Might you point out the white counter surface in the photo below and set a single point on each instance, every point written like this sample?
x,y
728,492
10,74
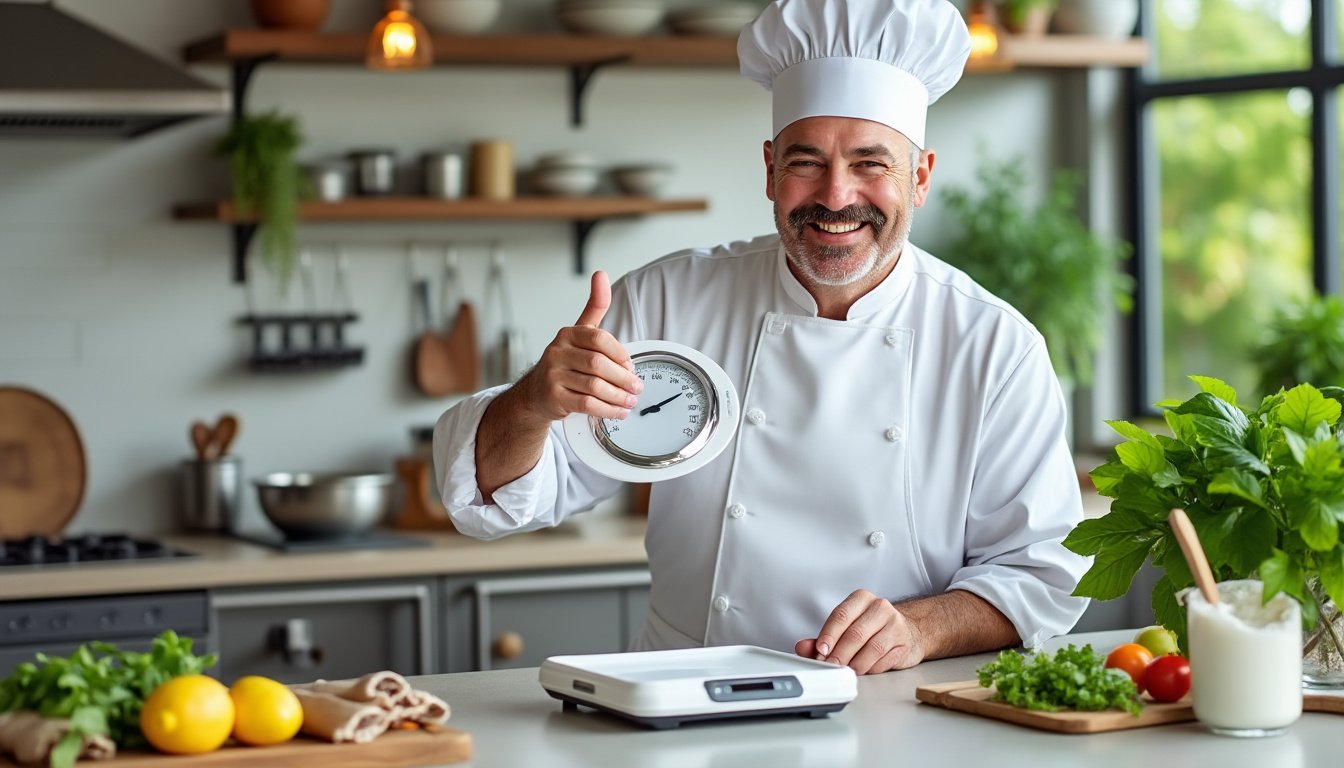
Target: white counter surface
x,y
221,561
515,723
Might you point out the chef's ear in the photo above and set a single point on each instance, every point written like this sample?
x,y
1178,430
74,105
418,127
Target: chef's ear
x,y
923,176
769,152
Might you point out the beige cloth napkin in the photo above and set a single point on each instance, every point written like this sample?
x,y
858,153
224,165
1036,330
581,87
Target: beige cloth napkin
x,y
362,709
30,737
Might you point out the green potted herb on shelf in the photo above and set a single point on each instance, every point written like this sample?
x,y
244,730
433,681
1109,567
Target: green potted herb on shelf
x,y
267,182
1264,488
1044,261
1305,342
1028,17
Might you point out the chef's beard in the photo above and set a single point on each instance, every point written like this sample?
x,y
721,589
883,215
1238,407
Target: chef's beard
x,y
825,264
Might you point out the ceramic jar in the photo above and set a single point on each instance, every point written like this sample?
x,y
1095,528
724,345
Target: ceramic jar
x,y
1108,19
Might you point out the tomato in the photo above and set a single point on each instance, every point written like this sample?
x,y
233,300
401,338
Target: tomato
x,y
1167,678
1132,659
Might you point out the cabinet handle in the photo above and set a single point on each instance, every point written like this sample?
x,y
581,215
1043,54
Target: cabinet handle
x,y
294,641
509,645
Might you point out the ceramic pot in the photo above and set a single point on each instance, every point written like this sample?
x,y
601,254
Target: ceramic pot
x,y
290,14
1108,19
1032,22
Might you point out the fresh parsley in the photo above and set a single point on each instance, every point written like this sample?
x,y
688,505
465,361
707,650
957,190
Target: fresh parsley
x,y
99,687
1074,678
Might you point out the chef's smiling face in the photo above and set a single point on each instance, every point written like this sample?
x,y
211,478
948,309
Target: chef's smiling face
x,y
844,191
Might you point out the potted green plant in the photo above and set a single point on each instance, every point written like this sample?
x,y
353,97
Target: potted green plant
x,y
267,182
1043,260
1305,342
1028,17
1264,488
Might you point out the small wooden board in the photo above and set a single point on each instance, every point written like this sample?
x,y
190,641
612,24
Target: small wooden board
x,y
435,746
968,696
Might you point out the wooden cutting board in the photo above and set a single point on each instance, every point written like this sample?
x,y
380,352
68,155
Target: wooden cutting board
x,y
968,696
392,749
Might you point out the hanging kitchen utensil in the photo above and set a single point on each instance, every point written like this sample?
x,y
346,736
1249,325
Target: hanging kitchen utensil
x,y
506,355
433,371
42,465
459,328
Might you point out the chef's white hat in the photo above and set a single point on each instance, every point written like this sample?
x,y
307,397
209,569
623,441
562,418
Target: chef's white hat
x,y
880,60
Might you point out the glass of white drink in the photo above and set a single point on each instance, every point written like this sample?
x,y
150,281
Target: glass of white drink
x,y
1245,660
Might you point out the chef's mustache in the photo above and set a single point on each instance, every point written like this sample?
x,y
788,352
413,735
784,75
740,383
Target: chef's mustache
x,y
820,214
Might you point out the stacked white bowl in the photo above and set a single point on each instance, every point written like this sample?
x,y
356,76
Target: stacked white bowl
x,y
719,20
643,180
567,174
458,17
623,18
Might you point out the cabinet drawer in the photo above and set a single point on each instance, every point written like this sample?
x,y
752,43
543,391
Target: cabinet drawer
x,y
522,621
324,632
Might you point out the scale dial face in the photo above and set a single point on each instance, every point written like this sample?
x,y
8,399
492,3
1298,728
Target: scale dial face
x,y
685,416
668,423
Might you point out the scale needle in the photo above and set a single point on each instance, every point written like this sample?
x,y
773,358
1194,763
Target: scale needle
x,y
659,406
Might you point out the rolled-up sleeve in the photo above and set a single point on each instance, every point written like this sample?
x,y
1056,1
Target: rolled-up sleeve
x,y
558,486
1025,500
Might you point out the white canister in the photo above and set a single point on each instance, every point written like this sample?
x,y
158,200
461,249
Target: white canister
x,y
1245,660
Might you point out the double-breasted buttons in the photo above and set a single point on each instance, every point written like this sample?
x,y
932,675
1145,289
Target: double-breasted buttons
x,y
894,434
876,538
736,511
776,326
756,416
721,603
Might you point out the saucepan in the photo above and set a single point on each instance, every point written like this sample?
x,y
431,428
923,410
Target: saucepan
x,y
336,505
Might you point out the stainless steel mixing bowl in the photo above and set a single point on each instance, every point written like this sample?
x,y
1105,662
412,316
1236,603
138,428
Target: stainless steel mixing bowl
x,y
324,505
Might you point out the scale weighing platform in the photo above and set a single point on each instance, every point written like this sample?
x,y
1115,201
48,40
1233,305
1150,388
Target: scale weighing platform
x,y
663,689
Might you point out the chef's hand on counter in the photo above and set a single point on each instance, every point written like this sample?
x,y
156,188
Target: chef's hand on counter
x,y
871,635
583,370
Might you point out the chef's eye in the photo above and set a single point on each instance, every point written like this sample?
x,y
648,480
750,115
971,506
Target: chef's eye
x,y
805,168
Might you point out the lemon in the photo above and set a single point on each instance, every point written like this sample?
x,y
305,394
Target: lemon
x,y
188,715
267,711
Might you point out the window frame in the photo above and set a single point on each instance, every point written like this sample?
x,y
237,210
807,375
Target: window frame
x,y
1322,79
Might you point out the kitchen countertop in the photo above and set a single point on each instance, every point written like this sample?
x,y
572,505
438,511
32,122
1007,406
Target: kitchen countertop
x,y
583,541
514,722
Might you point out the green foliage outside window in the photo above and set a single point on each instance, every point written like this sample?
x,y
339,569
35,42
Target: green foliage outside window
x,y
1305,344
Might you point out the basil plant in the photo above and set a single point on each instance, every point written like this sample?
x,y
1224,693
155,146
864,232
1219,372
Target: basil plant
x,y
1264,488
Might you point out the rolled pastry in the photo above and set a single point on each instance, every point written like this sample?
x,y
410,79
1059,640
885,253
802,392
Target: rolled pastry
x,y
332,718
420,707
30,737
384,688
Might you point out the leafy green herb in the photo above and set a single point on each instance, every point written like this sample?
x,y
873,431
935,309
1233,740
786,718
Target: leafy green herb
x,y
1043,260
1305,342
1264,489
268,182
99,687
1074,678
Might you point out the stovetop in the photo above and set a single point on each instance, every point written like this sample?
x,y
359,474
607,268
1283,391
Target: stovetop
x,y
85,548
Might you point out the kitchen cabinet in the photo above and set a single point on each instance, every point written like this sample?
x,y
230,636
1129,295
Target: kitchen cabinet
x,y
330,630
501,622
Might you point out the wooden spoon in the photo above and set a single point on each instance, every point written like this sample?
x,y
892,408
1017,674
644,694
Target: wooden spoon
x,y
226,429
201,440
1194,554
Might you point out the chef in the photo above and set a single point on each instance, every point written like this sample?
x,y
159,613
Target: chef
x,y
899,484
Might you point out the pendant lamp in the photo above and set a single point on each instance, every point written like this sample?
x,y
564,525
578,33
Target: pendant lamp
x,y
982,23
399,41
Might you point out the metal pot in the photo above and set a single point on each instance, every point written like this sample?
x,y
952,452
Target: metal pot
x,y
324,506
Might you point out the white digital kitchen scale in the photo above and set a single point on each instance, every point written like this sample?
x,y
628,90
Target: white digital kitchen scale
x,y
663,689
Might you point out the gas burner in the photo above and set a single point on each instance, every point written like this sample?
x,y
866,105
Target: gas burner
x,y
38,550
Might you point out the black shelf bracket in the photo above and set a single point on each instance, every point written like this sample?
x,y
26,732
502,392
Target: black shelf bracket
x,y
579,77
242,238
582,229
242,70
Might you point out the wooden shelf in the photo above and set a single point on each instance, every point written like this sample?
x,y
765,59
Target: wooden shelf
x,y
1050,51
584,213
413,208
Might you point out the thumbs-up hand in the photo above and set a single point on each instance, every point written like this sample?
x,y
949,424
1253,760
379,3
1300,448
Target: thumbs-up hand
x,y
584,369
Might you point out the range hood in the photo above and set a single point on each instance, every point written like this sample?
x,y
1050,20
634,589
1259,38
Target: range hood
x,y
62,77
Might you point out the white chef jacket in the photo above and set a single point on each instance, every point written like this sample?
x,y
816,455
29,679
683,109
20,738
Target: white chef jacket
x,y
915,447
